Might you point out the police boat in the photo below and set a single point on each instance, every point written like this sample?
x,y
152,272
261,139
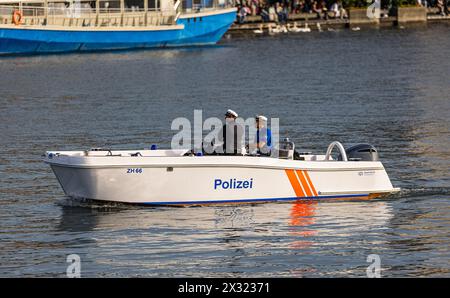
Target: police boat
x,y
178,177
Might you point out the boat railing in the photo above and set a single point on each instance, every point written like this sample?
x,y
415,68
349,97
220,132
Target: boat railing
x,y
103,13
340,148
191,6
58,14
208,3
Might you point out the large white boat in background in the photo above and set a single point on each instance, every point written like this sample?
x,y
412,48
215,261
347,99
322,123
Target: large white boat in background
x,y
177,177
55,26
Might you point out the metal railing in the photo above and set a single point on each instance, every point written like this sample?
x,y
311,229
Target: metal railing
x,y
104,12
341,151
86,16
204,5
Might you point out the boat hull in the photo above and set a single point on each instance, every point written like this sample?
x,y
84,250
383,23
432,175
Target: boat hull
x,y
36,40
178,181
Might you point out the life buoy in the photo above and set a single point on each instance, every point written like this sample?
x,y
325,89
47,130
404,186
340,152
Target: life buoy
x,y
17,17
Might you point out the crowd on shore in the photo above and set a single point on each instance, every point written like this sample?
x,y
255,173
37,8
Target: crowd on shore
x,y
279,10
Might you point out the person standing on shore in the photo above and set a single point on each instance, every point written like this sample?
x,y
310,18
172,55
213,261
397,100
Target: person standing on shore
x,y
242,14
443,7
265,15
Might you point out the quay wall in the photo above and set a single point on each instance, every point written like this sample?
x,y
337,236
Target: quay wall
x,y
411,14
358,16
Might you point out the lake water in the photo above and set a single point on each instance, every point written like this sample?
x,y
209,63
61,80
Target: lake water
x,y
387,87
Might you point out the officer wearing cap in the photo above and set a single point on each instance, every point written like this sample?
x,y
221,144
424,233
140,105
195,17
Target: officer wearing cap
x,y
263,136
230,114
232,134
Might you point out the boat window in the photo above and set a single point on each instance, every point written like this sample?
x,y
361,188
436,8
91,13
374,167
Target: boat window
x,y
134,5
154,5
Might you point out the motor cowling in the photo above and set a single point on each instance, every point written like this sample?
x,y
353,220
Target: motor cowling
x,y
361,152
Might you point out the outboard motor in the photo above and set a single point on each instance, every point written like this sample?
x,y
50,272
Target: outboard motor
x,y
361,152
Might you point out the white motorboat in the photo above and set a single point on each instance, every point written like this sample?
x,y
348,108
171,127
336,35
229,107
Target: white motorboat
x,y
177,177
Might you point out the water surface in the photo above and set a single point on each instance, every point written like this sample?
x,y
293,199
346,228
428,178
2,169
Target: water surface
x,y
387,87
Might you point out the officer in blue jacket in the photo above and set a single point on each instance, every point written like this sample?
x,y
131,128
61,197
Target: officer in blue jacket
x,y
263,136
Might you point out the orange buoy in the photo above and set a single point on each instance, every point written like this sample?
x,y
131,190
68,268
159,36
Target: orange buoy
x,y
17,17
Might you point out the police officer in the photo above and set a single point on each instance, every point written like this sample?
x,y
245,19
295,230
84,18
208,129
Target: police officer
x,y
263,136
232,135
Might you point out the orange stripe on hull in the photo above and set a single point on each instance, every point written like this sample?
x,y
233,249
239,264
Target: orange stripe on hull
x,y
310,183
294,183
304,183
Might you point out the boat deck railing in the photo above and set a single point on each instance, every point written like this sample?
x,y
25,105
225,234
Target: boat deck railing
x,y
87,16
90,18
114,13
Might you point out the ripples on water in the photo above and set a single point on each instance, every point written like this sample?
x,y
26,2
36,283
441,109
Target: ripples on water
x,y
386,87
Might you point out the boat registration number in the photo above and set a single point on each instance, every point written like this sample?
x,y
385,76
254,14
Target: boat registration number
x,y
134,171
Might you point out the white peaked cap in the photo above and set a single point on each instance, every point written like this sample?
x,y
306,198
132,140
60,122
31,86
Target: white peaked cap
x,y
232,113
261,117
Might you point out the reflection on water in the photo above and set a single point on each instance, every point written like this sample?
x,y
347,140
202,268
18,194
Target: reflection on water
x,y
244,240
233,217
302,215
304,238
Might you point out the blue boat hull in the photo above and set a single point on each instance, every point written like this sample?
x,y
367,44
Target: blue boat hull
x,y
204,30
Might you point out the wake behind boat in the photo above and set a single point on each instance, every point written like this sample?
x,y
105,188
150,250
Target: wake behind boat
x,y
55,26
178,177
